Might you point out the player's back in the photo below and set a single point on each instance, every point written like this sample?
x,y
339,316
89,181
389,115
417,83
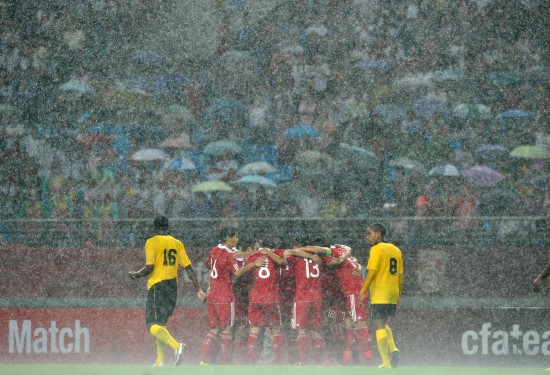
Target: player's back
x,y
265,284
222,265
349,279
307,278
165,253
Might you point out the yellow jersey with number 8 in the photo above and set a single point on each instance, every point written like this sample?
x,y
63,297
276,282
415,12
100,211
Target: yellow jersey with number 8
x,y
386,259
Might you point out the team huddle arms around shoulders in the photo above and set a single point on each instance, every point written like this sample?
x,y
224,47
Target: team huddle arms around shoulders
x,y
306,304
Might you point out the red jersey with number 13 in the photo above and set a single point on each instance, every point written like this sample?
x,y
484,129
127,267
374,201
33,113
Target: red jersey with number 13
x,y
308,282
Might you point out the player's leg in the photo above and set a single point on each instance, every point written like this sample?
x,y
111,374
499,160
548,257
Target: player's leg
x,y
394,352
211,338
378,316
315,319
273,320
252,344
300,322
358,314
226,315
349,341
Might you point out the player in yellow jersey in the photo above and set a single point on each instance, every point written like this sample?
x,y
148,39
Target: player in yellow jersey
x,y
163,254
385,282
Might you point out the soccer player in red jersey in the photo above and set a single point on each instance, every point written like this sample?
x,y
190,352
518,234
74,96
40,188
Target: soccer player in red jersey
x,y
264,298
241,287
350,281
308,305
221,300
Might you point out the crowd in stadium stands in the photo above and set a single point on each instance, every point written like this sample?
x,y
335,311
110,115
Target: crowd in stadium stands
x,y
377,81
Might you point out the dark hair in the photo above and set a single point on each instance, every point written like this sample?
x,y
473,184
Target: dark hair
x,y
378,228
161,222
228,232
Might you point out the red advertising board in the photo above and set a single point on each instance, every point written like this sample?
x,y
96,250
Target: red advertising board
x,y
92,335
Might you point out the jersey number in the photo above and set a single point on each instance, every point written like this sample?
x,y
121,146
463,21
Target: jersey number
x,y
170,257
264,273
214,271
393,266
315,269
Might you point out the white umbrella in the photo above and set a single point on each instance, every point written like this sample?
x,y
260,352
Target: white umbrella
x,y
148,154
257,168
448,170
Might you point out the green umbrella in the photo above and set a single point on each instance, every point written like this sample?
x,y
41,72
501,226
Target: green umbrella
x,y
408,164
472,111
220,148
8,109
77,87
211,186
530,152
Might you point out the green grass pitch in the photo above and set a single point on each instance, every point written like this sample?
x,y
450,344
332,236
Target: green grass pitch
x,y
255,370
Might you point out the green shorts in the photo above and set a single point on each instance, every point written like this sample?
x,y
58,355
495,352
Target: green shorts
x,y
161,302
382,311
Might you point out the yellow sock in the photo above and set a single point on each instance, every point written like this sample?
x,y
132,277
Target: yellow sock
x,y
160,352
162,334
391,343
382,341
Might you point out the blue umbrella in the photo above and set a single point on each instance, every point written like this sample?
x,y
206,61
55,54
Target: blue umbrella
x,y
514,114
447,170
301,131
252,179
429,107
179,164
219,148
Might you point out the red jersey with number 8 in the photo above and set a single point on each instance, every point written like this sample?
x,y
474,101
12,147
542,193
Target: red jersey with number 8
x,y
265,283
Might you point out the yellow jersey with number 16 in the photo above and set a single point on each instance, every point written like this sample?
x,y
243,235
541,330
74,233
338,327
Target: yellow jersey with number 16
x,y
386,259
165,253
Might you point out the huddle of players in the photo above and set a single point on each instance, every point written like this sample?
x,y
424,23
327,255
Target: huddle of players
x,y
285,286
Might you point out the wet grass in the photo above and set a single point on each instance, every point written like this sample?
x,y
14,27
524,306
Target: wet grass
x,y
254,370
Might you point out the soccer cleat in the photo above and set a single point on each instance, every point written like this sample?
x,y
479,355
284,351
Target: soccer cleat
x,y
394,358
179,355
382,367
159,364
203,363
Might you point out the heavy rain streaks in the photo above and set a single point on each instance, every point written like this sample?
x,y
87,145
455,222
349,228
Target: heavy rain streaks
x,y
294,121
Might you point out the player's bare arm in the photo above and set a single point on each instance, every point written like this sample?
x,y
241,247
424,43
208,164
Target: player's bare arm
x,y
277,259
142,272
256,264
193,277
302,254
341,259
315,249
537,283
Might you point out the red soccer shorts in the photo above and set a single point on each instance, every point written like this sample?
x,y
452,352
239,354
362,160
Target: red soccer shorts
x,y
264,314
307,315
221,315
356,311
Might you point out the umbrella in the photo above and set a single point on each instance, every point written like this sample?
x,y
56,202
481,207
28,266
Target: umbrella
x,y
530,152
8,109
447,75
148,154
179,164
220,148
472,111
301,131
414,80
514,113
390,112
481,175
447,170
427,107
145,57
261,167
77,87
491,149
211,186
361,157
182,141
409,164
371,64
504,78
256,180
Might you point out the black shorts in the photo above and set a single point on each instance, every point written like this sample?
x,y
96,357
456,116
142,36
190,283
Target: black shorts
x,y
161,302
382,311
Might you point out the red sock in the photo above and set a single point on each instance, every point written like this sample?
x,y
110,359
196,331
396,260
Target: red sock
x,y
226,346
251,346
349,341
301,341
363,337
278,347
207,346
318,350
